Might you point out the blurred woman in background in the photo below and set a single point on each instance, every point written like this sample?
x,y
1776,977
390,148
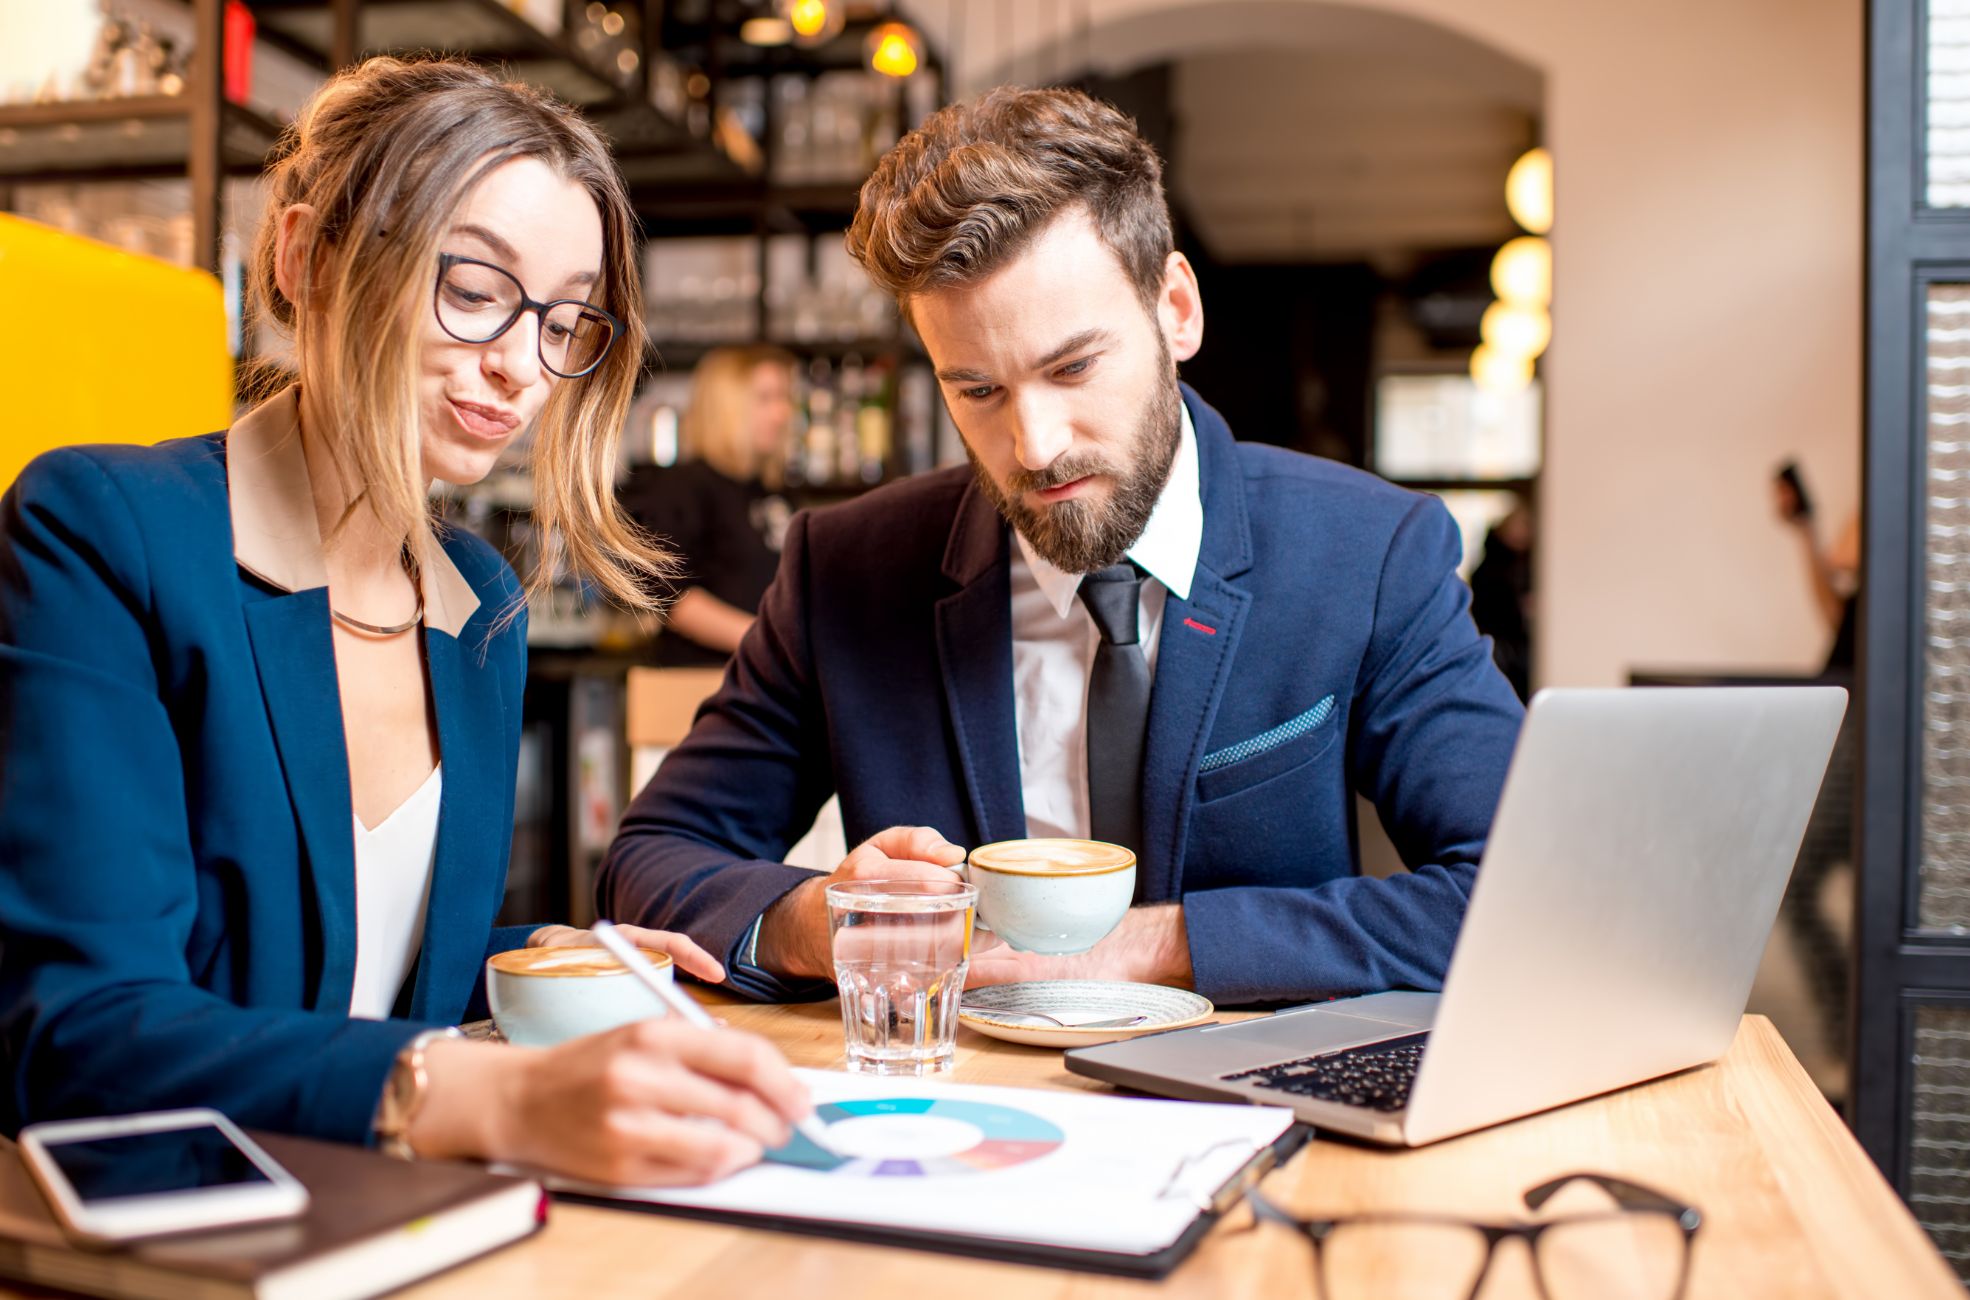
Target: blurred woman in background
x,y
719,508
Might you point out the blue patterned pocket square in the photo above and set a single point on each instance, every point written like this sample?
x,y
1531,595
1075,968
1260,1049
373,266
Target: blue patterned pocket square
x,y
1292,729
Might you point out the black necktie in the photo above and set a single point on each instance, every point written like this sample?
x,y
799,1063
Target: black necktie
x,y
1118,706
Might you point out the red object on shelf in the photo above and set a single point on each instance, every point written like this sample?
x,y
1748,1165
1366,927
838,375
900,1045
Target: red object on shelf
x,y
239,51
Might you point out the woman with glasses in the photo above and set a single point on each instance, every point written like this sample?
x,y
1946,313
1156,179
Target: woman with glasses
x,y
259,710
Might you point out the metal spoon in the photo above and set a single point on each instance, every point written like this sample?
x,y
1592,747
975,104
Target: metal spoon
x,y
1120,1022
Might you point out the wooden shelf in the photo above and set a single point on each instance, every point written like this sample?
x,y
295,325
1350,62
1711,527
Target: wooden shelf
x,y
121,139
659,155
483,29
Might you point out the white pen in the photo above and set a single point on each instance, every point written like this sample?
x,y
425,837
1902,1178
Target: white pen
x,y
676,999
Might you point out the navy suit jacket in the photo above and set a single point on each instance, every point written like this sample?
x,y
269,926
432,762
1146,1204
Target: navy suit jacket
x,y
1326,649
177,877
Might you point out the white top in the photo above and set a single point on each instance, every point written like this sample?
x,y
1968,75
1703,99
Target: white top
x,y
393,892
1054,639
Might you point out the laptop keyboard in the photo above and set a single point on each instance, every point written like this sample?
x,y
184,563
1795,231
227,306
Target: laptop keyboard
x,y
1377,1076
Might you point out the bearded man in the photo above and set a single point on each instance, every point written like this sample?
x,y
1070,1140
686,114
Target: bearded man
x,y
1118,623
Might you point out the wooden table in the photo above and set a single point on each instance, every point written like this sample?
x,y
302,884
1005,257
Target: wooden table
x,y
1791,1206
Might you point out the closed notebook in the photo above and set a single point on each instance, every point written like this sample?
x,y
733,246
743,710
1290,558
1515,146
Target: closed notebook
x,y
375,1224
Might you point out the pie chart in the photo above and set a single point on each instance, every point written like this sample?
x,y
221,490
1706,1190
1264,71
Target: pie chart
x,y
921,1137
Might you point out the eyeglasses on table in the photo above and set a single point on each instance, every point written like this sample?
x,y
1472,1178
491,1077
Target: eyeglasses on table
x,y
1639,1249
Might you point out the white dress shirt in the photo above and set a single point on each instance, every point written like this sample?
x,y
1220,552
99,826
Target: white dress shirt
x,y
393,893
1054,639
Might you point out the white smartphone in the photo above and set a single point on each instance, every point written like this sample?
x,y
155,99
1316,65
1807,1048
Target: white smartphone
x,y
164,1172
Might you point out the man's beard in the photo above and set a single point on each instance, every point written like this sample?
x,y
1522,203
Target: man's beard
x,y
1080,535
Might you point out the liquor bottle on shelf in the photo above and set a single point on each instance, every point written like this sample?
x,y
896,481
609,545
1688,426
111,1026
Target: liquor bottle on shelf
x,y
848,410
820,450
873,422
792,159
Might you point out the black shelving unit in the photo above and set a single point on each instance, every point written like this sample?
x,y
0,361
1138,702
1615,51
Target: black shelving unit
x,y
763,204
123,139
483,30
201,136
711,39
197,134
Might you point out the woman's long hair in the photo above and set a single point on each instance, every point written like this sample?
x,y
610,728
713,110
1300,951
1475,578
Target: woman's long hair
x,y
717,427
385,153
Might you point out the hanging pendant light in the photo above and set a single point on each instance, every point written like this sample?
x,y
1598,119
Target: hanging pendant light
x,y
1522,272
1519,329
1529,191
814,22
1499,373
895,49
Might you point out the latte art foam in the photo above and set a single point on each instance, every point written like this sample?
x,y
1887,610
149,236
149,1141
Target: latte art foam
x,y
1052,857
567,961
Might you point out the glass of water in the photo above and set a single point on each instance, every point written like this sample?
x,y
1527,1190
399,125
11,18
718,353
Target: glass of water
x,y
900,952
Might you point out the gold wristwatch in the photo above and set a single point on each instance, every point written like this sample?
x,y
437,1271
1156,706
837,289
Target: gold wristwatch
x,y
403,1092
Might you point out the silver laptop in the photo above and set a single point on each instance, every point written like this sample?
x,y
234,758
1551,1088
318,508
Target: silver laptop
x,y
1633,871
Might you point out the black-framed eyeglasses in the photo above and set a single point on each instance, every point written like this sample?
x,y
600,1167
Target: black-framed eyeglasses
x,y
1637,1250
477,302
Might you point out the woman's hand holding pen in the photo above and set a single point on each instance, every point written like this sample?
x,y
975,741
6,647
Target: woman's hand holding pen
x,y
625,1106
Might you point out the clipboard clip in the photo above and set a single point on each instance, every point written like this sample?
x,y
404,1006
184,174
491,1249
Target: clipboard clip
x,y
1216,1200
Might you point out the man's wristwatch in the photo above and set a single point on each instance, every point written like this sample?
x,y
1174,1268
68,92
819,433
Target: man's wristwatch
x,y
403,1092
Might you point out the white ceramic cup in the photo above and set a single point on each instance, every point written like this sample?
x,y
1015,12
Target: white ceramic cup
x,y
1053,896
543,996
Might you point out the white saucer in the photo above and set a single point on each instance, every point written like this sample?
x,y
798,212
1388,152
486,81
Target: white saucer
x,y
1164,1008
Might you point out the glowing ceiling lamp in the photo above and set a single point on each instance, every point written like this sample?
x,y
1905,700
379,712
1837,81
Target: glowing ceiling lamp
x,y
1522,272
814,22
1499,373
1517,329
1529,191
895,49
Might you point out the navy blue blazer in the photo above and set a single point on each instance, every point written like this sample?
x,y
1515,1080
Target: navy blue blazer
x,y
1326,649
177,873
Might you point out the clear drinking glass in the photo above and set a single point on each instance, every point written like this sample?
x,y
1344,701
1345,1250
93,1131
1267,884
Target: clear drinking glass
x,y
900,952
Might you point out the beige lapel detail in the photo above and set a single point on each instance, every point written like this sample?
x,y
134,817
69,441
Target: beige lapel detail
x,y
449,600
275,535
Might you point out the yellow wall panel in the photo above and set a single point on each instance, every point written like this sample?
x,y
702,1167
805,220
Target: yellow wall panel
x,y
100,345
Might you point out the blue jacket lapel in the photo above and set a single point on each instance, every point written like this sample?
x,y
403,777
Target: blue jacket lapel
x,y
974,646
1195,651
294,654
472,829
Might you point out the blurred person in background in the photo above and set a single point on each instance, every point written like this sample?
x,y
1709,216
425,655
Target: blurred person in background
x,y
720,507
1832,572
1501,596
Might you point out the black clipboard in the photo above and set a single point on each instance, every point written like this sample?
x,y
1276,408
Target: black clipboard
x,y
1113,1263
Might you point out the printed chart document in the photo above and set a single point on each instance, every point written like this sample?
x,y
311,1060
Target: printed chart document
x,y
1065,1172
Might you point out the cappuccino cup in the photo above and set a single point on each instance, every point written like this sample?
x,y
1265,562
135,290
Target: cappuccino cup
x,y
1052,896
543,996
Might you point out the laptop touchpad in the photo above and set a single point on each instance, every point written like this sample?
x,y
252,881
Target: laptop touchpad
x,y
1328,1026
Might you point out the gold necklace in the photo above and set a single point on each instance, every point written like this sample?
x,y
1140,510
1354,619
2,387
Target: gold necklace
x,y
372,629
